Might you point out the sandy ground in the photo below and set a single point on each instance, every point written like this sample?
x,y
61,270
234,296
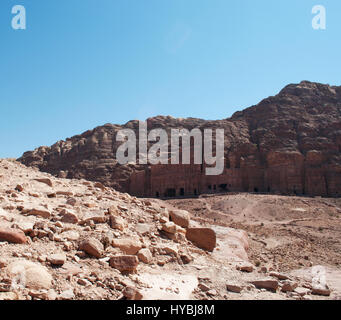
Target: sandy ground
x,y
285,233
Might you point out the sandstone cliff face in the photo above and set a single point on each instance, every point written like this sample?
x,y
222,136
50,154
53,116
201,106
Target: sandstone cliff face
x,y
289,144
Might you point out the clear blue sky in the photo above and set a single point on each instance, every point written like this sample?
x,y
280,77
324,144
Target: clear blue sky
x,y
83,63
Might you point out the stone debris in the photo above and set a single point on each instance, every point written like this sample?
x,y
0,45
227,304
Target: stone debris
x,y
245,267
45,180
322,290
127,246
24,273
125,263
204,238
92,247
57,259
12,235
68,216
145,255
132,293
268,284
289,286
302,291
180,217
75,239
234,288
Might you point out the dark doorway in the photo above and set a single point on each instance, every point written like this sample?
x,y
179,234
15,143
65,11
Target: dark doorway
x,y
182,192
255,189
195,192
269,189
170,193
157,195
223,187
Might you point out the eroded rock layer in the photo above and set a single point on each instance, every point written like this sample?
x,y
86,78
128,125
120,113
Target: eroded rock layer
x,y
289,143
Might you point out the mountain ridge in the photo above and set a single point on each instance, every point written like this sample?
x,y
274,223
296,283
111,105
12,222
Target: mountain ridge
x,y
289,143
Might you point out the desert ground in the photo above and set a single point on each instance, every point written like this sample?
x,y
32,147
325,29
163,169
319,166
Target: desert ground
x,y
68,239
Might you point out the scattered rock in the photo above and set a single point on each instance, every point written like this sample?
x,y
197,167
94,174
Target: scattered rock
x,y
268,284
204,238
132,293
245,267
3,263
30,275
124,263
234,288
25,226
12,235
302,291
92,247
128,246
68,216
169,227
66,295
71,201
321,290
180,217
96,217
145,255
289,286
203,287
46,181
19,188
212,292
8,296
57,259
143,228
40,212
185,257
117,222
279,276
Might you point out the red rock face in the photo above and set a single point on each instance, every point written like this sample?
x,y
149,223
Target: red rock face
x,y
288,144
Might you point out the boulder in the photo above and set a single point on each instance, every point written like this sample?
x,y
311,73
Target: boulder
x,y
12,235
180,217
40,211
25,226
117,222
204,238
46,181
96,217
70,235
92,247
132,293
302,291
128,246
57,259
69,216
321,290
124,263
29,275
234,288
145,255
289,286
169,227
268,284
245,267
143,228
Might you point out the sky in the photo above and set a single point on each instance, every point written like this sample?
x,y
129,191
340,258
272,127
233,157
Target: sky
x,y
82,63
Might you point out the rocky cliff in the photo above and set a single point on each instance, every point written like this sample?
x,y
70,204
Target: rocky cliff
x,y
289,143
